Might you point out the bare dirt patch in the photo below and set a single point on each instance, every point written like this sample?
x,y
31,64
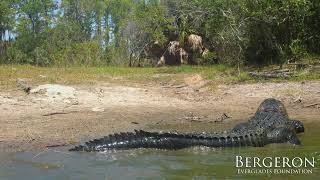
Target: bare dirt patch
x,y
60,115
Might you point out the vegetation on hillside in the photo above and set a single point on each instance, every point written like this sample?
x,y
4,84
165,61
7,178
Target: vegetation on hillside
x,y
114,32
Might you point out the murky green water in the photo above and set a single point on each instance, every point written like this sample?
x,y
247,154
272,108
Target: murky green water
x,y
193,163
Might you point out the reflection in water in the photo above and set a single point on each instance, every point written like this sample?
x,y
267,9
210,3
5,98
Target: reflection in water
x,y
197,162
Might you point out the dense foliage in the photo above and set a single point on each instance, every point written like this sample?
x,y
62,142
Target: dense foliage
x,y
99,32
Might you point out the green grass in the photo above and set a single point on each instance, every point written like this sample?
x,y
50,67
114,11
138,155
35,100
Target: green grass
x,y
76,75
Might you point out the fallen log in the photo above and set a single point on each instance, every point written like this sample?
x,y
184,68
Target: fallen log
x,y
271,74
282,70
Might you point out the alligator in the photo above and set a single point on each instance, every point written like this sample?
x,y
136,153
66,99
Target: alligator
x,y
270,124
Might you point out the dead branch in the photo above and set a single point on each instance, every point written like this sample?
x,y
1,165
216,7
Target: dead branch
x,y
311,105
159,122
24,86
56,113
196,120
298,100
220,119
177,86
55,145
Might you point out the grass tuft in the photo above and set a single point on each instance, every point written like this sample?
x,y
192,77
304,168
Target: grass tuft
x,y
76,75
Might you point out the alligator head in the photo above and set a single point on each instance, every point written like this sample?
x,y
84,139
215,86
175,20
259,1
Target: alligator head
x,y
272,105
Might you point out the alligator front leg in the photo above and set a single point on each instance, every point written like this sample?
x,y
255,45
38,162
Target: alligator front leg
x,y
241,127
283,135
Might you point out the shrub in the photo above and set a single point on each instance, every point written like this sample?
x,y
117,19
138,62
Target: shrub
x,y
85,53
209,59
15,56
41,57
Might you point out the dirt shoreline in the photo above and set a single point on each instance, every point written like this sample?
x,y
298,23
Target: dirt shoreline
x,y
39,121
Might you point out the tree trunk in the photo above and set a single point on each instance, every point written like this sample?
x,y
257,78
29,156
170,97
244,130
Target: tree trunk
x,y
107,28
130,60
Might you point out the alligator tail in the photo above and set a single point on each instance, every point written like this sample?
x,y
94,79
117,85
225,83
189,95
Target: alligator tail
x,y
169,140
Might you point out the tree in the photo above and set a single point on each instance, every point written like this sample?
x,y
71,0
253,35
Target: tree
x,y
34,19
6,24
238,32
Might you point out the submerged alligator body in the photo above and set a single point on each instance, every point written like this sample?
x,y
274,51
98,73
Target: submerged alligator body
x,y
270,124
